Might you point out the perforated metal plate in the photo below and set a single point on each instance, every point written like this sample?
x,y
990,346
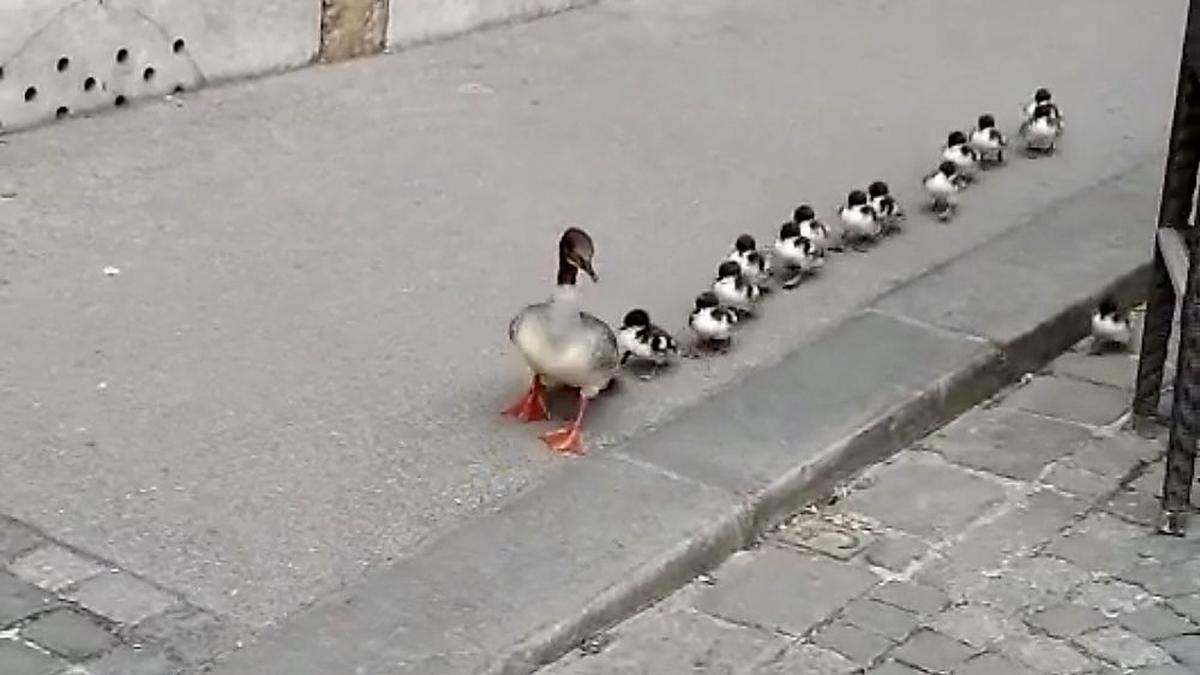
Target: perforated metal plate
x,y
90,55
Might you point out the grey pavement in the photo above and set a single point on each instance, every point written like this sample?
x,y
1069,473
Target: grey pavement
x,y
966,553
283,392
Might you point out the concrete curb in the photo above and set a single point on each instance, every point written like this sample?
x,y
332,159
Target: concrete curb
x,y
966,386
521,586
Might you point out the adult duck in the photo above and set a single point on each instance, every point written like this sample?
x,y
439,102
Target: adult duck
x,y
563,345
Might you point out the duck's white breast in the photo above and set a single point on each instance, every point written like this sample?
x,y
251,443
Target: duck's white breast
x,y
561,359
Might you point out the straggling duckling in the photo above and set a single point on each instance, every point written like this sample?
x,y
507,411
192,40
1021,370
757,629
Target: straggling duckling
x,y
1111,329
754,265
712,323
965,158
814,230
732,289
942,185
860,222
642,341
887,209
987,140
798,257
1042,97
1041,131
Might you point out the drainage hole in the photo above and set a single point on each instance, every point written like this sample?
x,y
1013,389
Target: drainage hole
x,y
89,84
119,100
63,64
62,112
122,55
148,73
30,94
178,45
1,72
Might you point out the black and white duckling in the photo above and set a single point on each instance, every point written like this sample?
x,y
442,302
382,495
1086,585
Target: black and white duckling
x,y
753,263
942,185
732,289
563,345
1111,329
859,220
640,340
712,323
987,140
965,158
1041,131
887,209
814,230
797,257
1042,97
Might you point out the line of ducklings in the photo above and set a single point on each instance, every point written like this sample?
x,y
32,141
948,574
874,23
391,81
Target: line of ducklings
x,y
747,274
564,346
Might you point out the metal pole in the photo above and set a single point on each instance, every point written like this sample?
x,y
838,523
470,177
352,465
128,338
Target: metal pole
x,y
1178,195
1185,414
1179,183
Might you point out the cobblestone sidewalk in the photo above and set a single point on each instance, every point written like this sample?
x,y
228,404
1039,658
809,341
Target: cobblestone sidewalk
x,y
64,613
1016,540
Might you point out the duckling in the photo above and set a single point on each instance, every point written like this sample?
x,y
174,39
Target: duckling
x,y
987,140
754,265
640,339
1111,328
859,219
732,290
942,185
890,214
564,346
1042,97
712,323
814,230
965,158
1041,131
797,255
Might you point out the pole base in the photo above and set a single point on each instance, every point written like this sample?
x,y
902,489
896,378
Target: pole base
x,y
1173,523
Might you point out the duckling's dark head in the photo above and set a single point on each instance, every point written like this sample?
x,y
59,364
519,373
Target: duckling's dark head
x,y
636,318
707,299
986,122
728,269
745,244
789,230
802,213
1042,95
956,138
856,198
947,168
575,250
1043,110
1108,307
877,189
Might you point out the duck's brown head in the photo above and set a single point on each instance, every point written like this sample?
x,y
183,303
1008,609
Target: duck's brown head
x,y
575,250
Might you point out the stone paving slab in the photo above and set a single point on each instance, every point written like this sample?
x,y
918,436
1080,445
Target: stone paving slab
x,y
1001,575
1068,399
1007,442
763,590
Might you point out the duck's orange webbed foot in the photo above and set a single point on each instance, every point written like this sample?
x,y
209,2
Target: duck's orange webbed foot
x,y
568,440
532,406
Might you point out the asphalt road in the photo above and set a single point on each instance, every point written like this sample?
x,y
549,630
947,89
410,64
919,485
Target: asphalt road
x,y
297,372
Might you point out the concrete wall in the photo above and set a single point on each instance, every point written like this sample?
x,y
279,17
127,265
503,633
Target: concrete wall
x,y
64,57
68,56
415,21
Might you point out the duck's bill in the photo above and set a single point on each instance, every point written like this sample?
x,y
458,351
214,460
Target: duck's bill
x,y
587,268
